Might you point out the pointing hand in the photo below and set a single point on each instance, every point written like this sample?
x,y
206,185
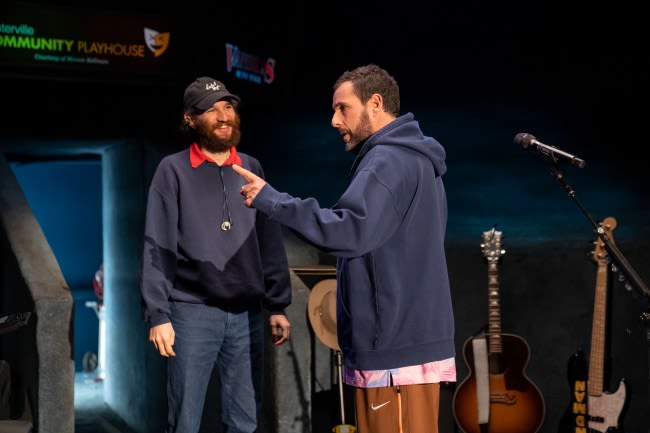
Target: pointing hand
x,y
253,186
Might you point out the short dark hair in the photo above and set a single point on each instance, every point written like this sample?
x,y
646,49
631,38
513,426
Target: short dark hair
x,y
370,79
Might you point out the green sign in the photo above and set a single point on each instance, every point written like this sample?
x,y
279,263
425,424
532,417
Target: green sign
x,y
68,41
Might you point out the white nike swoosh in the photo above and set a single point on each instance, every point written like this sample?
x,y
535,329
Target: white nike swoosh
x,y
373,407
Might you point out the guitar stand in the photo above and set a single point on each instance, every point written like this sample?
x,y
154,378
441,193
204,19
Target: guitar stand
x,y
343,427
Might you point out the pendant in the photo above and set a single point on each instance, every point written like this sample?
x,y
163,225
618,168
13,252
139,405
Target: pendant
x,y
225,226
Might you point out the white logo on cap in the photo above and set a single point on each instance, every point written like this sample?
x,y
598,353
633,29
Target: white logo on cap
x,y
213,86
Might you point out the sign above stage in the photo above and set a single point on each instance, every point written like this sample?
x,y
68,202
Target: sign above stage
x,y
71,43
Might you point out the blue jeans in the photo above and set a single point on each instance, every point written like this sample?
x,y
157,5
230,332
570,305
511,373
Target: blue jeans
x,y
231,341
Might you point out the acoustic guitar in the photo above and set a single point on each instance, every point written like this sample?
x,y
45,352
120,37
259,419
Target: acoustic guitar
x,y
512,401
592,409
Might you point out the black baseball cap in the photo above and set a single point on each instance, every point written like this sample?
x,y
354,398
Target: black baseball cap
x,y
204,92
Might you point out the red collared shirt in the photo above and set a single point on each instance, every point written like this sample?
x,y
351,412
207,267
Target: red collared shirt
x,y
197,157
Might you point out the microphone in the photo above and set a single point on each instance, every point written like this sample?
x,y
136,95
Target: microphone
x,y
528,141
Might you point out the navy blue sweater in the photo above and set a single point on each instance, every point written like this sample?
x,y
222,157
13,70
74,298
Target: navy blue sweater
x,y
387,230
188,258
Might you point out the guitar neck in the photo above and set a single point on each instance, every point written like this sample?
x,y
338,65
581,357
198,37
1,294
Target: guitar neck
x,y
597,353
494,309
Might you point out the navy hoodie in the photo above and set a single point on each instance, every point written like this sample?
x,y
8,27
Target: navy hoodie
x,y
188,258
387,231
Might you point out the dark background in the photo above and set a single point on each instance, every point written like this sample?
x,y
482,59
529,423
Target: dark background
x,y
474,73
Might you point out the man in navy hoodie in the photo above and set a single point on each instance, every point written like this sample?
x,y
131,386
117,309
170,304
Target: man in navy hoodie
x,y
395,323
211,266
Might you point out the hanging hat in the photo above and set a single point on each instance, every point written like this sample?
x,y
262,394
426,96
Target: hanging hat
x,y
322,312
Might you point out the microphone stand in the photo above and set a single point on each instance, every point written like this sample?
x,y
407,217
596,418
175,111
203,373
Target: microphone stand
x,y
630,277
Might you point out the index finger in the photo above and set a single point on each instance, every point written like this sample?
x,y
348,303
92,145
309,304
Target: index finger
x,y
247,175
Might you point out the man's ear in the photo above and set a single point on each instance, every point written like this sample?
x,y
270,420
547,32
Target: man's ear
x,y
376,102
188,119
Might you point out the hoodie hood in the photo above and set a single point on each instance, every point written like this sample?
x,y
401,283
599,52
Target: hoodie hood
x,y
405,132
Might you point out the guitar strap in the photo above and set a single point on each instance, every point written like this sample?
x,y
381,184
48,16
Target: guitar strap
x,y
479,346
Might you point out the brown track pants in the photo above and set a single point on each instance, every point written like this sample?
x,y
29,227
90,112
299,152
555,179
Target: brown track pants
x,y
398,409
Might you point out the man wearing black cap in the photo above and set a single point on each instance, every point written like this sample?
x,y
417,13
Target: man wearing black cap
x,y
211,267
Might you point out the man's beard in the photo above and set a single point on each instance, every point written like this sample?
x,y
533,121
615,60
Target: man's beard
x,y
361,134
208,140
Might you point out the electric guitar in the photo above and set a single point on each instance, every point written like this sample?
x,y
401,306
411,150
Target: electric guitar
x,y
591,409
515,404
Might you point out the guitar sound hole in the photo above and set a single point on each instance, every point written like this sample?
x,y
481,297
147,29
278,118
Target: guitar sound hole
x,y
497,363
